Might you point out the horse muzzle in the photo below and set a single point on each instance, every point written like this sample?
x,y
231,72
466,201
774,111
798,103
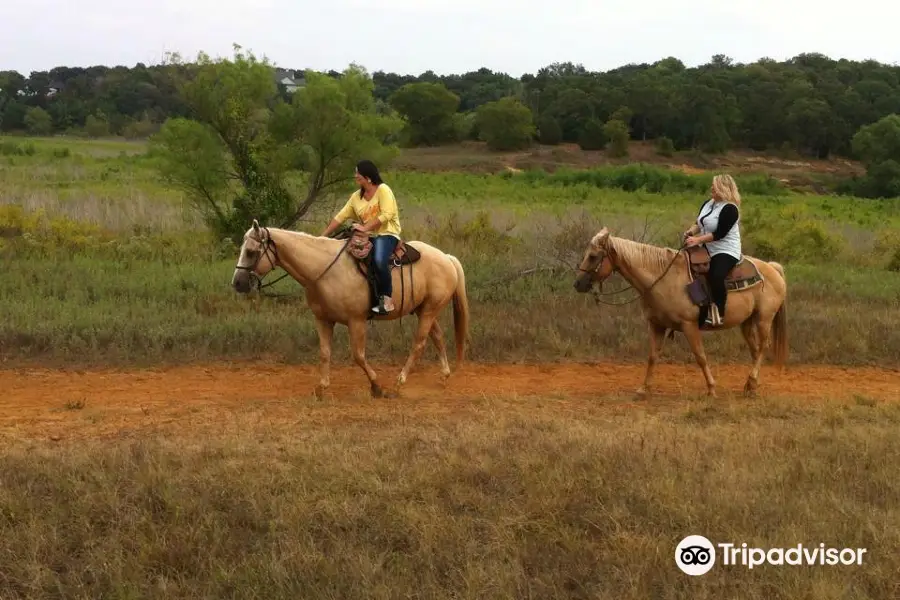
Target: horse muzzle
x,y
583,283
241,281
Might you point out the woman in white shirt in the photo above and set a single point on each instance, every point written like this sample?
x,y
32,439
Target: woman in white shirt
x,y
718,227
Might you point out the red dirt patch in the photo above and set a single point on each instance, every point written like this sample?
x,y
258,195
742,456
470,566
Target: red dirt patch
x,y
474,157
62,404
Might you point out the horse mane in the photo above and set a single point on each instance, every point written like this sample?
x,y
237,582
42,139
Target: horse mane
x,y
652,258
294,234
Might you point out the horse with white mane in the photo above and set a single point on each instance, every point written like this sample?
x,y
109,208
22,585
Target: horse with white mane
x,y
337,292
670,288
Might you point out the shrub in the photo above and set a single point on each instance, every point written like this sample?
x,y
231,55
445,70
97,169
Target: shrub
x,y
549,131
592,136
505,124
665,146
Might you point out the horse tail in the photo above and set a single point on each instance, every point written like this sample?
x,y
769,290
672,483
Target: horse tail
x,y
779,325
460,310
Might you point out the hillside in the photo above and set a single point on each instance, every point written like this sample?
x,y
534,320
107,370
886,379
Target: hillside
x,y
474,157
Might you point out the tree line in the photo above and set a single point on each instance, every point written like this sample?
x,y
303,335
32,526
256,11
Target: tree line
x,y
811,105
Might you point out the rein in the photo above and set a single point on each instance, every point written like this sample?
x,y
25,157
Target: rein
x,y
274,260
597,294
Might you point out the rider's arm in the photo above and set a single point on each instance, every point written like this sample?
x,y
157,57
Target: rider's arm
x,y
727,218
342,215
694,229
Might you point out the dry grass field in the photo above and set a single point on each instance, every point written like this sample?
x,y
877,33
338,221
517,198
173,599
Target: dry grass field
x,y
160,438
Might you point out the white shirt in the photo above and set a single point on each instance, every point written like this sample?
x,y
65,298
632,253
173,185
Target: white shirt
x,y
708,221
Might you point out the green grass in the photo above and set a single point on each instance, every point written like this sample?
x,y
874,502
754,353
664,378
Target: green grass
x,y
506,498
103,265
488,498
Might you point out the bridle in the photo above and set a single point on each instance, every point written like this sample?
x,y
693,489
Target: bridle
x,y
267,246
273,258
597,294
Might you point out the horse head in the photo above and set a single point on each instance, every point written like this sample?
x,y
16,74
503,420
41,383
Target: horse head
x,y
257,257
596,264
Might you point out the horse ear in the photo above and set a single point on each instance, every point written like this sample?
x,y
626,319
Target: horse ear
x,y
255,225
599,240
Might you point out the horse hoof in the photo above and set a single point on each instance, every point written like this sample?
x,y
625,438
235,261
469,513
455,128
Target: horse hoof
x,y
750,390
320,392
401,379
377,392
641,395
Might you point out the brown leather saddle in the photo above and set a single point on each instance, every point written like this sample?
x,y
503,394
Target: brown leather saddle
x,y
359,246
742,276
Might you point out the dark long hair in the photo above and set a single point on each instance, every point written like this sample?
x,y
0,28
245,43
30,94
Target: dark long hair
x,y
367,169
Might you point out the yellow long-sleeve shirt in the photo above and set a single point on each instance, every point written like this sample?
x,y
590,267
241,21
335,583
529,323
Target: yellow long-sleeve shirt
x,y
382,206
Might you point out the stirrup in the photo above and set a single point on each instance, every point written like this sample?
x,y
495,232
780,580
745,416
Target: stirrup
x,y
381,309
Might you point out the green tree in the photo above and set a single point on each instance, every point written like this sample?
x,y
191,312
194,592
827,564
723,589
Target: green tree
x,y
505,124
329,126
665,147
878,146
592,137
233,155
879,141
38,121
96,125
429,110
549,131
616,131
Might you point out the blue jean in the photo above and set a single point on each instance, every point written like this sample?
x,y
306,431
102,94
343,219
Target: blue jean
x,y
383,248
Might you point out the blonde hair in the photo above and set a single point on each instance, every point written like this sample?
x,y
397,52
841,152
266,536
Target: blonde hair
x,y
726,188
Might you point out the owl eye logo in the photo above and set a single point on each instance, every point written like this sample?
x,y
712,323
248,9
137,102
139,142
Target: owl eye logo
x,y
695,555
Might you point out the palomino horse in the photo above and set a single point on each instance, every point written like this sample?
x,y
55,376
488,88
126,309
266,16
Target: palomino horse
x,y
661,276
337,292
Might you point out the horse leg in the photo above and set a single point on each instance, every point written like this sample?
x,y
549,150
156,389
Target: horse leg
x,y
657,334
426,320
358,348
437,338
695,338
763,331
326,335
748,328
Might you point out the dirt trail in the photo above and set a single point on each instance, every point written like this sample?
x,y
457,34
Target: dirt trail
x,y
66,404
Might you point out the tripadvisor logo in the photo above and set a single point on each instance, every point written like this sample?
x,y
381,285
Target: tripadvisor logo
x,y
696,555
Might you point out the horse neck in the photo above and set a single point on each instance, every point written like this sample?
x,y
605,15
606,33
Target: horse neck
x,y
304,256
642,265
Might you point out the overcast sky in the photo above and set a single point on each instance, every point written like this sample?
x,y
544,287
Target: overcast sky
x,y
447,36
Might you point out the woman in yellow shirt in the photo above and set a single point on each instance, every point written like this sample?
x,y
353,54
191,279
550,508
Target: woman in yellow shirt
x,y
375,207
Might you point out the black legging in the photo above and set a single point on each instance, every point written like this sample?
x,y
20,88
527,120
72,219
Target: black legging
x,y
719,266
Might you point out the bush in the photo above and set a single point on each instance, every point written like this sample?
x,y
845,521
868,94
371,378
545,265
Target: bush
x,y
549,131
789,235
616,132
592,136
96,125
649,178
665,146
505,124
465,126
